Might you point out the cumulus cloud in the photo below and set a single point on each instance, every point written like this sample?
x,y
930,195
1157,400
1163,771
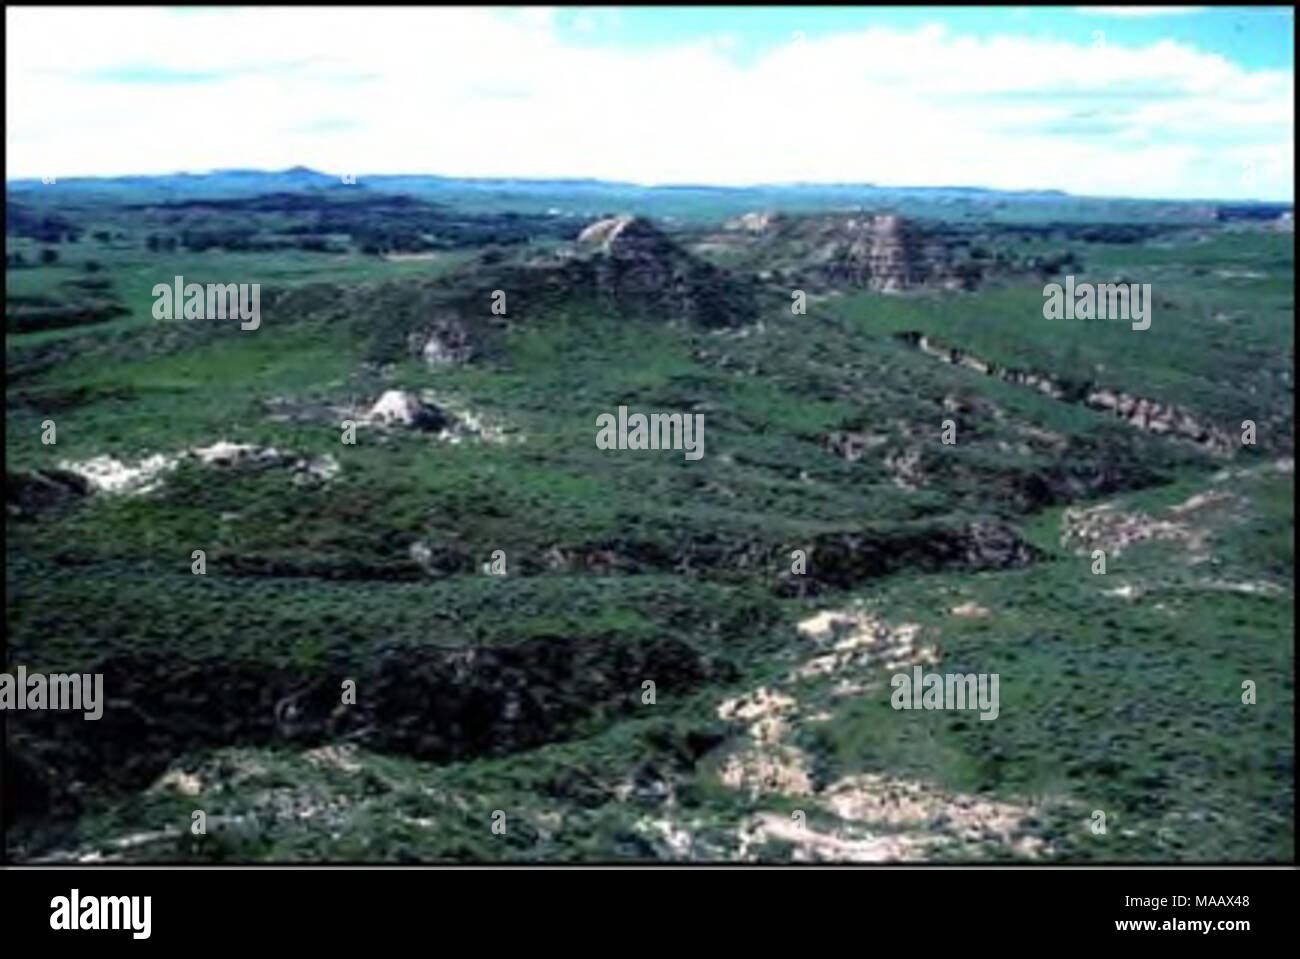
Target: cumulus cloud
x,y
492,92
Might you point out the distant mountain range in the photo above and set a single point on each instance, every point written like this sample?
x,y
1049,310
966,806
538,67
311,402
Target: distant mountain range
x,y
588,197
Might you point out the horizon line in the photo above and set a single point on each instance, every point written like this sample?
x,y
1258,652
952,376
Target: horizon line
x,y
787,184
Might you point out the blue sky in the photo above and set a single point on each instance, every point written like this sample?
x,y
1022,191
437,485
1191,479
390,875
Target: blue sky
x,y
1190,102
1255,37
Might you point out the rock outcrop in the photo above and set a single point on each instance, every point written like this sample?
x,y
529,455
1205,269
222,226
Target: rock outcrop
x,y
755,222
628,260
1148,415
399,408
444,341
882,253
876,251
108,475
441,417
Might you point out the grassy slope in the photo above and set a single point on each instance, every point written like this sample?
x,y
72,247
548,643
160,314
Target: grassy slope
x,y
1110,705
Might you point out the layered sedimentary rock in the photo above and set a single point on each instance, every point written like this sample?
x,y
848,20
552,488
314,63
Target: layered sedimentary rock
x,y
882,252
1145,414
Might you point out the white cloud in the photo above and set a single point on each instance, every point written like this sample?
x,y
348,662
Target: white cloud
x,y
490,92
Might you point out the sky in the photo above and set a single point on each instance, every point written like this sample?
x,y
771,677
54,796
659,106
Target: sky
x,y
1168,102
